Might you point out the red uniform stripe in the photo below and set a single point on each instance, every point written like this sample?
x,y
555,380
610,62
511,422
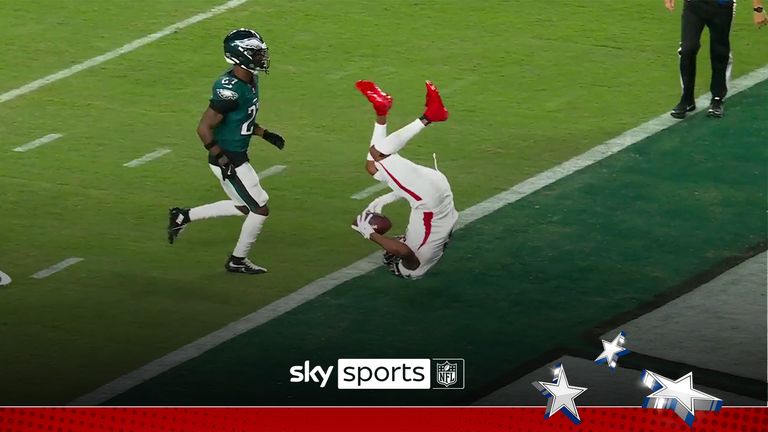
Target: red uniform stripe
x,y
427,227
400,185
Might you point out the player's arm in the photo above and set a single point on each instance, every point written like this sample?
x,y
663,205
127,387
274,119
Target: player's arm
x,y
397,248
208,122
271,137
378,204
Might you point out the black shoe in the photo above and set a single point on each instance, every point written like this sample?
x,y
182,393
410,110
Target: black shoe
x,y
243,265
682,109
389,259
716,108
178,218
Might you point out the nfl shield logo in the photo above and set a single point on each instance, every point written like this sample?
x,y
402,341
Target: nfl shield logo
x,y
446,373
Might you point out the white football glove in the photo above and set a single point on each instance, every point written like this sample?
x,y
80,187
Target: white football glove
x,y
364,225
374,207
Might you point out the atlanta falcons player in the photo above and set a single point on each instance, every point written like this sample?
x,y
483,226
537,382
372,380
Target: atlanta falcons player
x,y
433,216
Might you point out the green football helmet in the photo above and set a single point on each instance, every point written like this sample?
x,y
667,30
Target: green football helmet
x,y
246,48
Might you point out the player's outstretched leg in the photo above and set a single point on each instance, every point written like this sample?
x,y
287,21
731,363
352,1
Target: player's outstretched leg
x,y
435,112
178,217
382,102
238,262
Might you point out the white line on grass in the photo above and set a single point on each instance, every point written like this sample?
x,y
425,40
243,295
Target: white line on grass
x,y
138,43
276,169
38,142
327,283
147,158
56,268
365,193
5,279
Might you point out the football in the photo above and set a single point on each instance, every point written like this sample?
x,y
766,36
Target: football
x,y
380,223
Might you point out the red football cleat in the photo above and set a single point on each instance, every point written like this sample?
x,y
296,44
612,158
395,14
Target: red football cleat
x,y
435,111
381,101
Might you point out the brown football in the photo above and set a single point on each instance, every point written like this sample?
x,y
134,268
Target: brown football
x,y
380,223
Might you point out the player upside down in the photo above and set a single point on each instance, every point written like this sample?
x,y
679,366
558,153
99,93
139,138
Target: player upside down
x,y
433,215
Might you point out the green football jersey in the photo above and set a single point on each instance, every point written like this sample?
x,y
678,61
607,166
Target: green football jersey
x,y
238,101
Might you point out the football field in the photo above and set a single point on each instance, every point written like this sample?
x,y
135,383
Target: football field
x,y
529,86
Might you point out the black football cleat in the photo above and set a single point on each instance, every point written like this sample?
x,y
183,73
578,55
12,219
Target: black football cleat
x,y
243,265
178,218
716,108
389,259
682,109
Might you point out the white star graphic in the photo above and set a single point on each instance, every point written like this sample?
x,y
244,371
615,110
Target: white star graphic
x,y
678,395
612,351
560,394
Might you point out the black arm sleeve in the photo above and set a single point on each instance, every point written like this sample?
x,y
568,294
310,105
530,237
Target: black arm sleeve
x,y
223,106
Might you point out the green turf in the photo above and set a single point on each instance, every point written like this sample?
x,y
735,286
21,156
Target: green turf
x,y
527,279
527,89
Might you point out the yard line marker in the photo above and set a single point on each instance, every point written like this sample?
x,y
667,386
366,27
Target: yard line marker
x,y
328,282
277,169
365,193
147,158
56,268
38,142
5,279
138,43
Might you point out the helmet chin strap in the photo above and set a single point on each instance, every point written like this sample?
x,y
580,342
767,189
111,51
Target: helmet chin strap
x,y
232,62
255,72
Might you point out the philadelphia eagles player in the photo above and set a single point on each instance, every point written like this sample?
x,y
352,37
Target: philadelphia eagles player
x,y
225,129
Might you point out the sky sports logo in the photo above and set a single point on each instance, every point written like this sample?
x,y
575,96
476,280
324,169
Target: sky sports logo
x,y
385,374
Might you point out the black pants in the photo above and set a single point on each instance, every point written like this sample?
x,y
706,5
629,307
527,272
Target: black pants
x,y
717,17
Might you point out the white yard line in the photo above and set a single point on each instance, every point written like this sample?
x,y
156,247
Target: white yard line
x,y
138,43
5,279
147,158
365,193
327,283
56,268
38,142
276,169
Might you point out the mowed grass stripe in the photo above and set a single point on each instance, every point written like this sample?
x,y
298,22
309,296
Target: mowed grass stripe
x,y
365,265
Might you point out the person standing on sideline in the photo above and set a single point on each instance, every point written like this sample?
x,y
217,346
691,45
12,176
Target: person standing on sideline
x,y
717,15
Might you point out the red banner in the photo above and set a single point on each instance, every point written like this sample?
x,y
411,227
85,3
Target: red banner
x,y
371,420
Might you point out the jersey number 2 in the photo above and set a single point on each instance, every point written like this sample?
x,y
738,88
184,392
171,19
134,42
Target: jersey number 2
x,y
247,128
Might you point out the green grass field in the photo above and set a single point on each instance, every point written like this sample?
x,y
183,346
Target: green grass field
x,y
529,85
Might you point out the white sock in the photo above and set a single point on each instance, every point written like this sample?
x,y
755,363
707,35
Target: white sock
x,y
248,234
397,140
212,210
379,135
